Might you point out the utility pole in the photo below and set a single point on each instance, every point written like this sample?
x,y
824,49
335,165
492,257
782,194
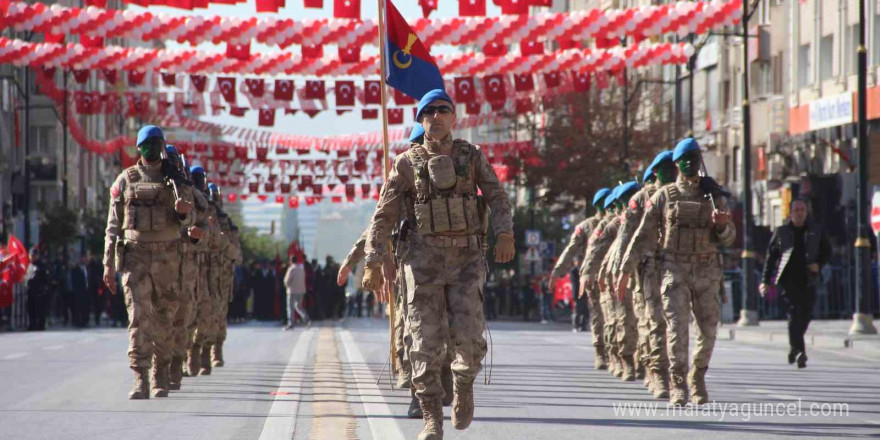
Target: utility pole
x,y
749,312
64,144
27,157
862,323
625,113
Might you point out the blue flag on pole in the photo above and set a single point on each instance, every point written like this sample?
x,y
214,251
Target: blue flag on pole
x,y
409,67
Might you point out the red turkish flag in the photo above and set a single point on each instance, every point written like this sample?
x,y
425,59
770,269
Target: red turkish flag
x,y
473,108
524,83
315,90
199,82
427,7
293,202
336,199
464,89
238,51
531,47
370,113
227,88
552,80
110,75
284,89
568,44
498,106
81,76
372,92
350,54
314,4
395,116
525,105
493,87
267,117
91,42
347,9
312,113
83,102
345,93
134,77
313,52
267,6
544,3
601,80
495,49
238,111
255,86
472,8
513,7
581,81
402,99
169,79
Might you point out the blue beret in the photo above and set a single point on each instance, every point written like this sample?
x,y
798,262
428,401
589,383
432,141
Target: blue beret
x,y
417,133
213,186
685,146
600,195
431,96
171,149
197,170
149,131
648,173
632,185
660,158
613,196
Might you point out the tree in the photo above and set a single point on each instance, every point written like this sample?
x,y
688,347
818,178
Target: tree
x,y
580,142
94,224
59,227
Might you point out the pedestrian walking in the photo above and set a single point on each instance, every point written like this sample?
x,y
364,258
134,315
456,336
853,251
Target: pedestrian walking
x,y
295,284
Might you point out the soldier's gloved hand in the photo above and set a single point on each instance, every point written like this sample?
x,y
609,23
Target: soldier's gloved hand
x,y
195,232
622,284
182,207
110,279
389,273
720,218
504,247
373,279
342,276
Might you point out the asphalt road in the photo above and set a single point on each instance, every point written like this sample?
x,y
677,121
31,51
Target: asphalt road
x,y
320,383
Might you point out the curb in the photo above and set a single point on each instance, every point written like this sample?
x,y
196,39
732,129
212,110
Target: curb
x,y
812,340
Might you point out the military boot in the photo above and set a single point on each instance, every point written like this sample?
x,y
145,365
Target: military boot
x,y
446,381
432,414
160,378
415,410
629,369
601,360
678,391
217,355
141,388
175,373
697,384
616,367
193,360
463,404
402,380
660,381
205,360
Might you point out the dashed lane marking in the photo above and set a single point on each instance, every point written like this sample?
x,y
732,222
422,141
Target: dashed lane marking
x,y
12,356
281,420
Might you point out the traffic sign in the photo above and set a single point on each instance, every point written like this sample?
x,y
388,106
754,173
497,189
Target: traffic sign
x,y
546,249
533,237
532,254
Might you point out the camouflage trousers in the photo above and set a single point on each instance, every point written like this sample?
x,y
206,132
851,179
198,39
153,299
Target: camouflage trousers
x,y
626,332
444,287
215,293
402,340
189,270
227,284
609,323
150,283
649,283
597,317
686,287
201,331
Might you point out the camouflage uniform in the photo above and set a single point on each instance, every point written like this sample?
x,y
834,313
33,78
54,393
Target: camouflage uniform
x,y
599,244
577,245
646,295
625,322
443,273
144,226
229,256
597,317
691,271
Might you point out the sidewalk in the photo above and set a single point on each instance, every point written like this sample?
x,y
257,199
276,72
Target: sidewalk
x,y
821,334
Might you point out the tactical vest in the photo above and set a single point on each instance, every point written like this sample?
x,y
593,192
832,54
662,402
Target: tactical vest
x,y
149,206
688,225
446,193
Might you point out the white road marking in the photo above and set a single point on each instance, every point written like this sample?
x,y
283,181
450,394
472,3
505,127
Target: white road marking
x,y
12,356
379,415
281,420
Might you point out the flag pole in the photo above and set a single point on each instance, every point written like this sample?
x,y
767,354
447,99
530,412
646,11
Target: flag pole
x,y
386,165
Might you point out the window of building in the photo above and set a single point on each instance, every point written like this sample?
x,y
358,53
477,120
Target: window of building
x,y
762,79
776,65
874,42
763,12
804,66
851,45
826,57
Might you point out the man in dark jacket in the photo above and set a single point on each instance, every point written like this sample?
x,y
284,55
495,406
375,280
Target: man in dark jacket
x,y
98,302
79,291
797,251
38,290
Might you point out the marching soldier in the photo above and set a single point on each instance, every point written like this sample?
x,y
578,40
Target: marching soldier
x,y
692,219
444,266
227,259
147,212
200,330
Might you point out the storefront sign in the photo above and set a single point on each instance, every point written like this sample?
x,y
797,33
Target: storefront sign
x,y
831,111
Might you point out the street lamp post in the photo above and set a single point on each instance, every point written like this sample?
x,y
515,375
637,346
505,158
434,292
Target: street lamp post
x,y
749,312
862,317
